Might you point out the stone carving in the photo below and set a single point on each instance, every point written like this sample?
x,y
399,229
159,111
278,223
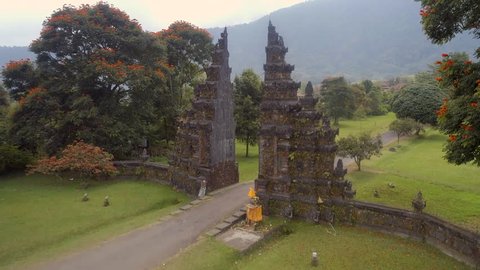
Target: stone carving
x,y
339,170
288,212
203,189
419,203
297,144
204,149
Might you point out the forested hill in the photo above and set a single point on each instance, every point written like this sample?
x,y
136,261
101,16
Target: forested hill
x,y
359,39
14,53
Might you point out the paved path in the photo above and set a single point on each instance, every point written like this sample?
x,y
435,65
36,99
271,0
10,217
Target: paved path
x,y
149,247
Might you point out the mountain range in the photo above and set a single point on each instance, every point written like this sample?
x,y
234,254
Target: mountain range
x,y
358,39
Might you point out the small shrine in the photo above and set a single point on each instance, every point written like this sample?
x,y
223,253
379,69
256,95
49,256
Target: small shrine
x,y
254,209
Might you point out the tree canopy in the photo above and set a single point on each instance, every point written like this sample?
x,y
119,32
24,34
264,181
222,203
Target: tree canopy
x,y
359,147
418,101
337,98
100,78
459,115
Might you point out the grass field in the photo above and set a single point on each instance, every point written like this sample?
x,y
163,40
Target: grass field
x,y
452,192
247,166
41,217
351,248
372,124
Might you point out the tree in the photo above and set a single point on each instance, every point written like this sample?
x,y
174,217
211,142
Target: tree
x,y
336,98
4,101
188,51
419,102
19,77
247,95
403,127
97,71
12,158
359,147
459,115
79,159
442,20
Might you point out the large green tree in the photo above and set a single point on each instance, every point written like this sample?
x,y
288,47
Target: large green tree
x,y
418,101
337,98
99,76
459,116
95,65
247,95
188,50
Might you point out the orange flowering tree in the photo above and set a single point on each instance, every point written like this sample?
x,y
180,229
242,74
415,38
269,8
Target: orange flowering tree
x,y
98,71
459,115
77,160
188,51
19,77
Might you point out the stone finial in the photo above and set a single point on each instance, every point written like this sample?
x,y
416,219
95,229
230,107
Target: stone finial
x,y
308,102
419,203
309,89
339,170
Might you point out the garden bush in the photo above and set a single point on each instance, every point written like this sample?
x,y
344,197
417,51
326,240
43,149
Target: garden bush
x,y
78,160
12,158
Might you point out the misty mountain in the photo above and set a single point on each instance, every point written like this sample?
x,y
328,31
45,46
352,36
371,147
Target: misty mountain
x,y
14,53
359,39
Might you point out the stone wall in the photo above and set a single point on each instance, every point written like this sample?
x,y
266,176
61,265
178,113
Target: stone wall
x,y
457,242
146,170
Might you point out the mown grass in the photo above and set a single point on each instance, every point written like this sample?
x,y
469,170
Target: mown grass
x,y
372,124
247,166
42,216
350,248
452,192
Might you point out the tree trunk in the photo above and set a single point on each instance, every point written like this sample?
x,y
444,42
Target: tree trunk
x,y
246,149
359,161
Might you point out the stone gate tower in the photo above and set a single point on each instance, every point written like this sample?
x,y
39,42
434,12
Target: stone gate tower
x,y
205,145
297,145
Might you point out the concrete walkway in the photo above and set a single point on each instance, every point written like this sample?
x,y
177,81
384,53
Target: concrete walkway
x,y
149,247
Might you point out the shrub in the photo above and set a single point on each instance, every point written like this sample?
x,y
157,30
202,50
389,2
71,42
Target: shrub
x,y
12,158
81,160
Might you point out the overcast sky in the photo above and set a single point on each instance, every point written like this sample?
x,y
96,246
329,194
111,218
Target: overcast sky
x,y
21,20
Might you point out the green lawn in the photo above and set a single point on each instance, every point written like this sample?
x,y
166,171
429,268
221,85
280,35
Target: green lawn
x,y
372,124
41,217
452,192
247,166
351,248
